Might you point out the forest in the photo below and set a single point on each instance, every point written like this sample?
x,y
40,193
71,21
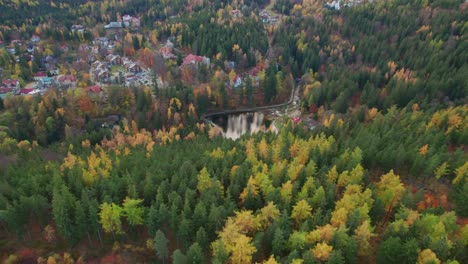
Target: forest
x,y
135,174
296,196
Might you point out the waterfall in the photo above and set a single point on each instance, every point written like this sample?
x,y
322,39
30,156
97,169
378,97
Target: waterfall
x,y
240,124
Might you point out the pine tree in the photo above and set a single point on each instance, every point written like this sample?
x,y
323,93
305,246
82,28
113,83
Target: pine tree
x,y
63,210
178,257
160,244
195,254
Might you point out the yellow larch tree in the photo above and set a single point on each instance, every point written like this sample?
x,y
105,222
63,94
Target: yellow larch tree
x,y
390,190
362,235
243,250
301,211
427,256
322,251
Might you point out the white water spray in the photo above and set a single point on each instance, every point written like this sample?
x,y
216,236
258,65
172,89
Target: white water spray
x,y
238,125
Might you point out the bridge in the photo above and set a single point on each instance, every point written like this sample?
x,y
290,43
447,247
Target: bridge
x,y
293,98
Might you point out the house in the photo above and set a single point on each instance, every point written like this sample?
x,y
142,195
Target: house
x,y
133,67
333,5
111,46
66,81
25,91
95,91
166,53
265,16
31,48
13,84
17,41
135,22
102,75
95,49
39,76
253,74
114,25
101,41
194,59
169,44
78,28
4,90
237,81
45,82
98,64
230,65
35,39
37,91
114,59
127,19
274,19
100,71
236,13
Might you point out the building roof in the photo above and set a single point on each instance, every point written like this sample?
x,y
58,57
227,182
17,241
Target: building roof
x,y
10,82
4,90
113,25
127,18
40,74
26,91
94,89
64,78
192,59
254,71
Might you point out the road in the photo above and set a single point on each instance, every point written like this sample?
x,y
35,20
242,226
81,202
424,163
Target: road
x,y
292,102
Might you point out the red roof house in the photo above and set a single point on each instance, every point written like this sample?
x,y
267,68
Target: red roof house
x,y
5,90
94,89
193,59
25,91
14,84
39,76
67,81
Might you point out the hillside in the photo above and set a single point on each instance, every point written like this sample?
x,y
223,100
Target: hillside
x,y
106,157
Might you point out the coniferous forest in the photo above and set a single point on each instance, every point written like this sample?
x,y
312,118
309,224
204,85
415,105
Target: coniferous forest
x,y
108,153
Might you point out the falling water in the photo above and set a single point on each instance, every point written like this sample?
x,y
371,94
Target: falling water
x,y
240,124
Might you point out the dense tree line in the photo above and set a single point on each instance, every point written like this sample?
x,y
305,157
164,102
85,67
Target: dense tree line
x,y
293,196
383,54
231,40
59,115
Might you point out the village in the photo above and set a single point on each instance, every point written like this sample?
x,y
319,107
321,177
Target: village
x,y
100,63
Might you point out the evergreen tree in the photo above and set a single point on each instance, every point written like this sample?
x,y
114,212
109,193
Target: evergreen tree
x,y
178,257
195,254
160,244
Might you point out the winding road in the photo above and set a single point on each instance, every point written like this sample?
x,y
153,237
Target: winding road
x,y
293,100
